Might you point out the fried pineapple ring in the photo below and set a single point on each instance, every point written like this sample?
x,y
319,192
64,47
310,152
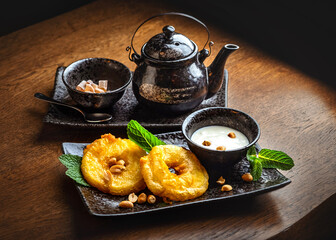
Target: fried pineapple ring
x,y
189,181
99,164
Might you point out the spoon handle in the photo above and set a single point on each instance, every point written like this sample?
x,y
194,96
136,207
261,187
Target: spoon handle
x,y
51,100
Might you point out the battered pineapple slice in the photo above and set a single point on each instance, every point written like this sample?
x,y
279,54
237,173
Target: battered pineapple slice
x,y
112,165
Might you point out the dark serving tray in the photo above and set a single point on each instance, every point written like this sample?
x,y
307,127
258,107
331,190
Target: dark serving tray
x,y
126,109
102,204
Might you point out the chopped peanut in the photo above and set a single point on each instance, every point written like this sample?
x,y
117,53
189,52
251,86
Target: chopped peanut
x,y
107,176
247,177
126,204
206,143
112,161
220,180
151,199
142,198
221,148
117,168
226,188
121,162
232,135
132,197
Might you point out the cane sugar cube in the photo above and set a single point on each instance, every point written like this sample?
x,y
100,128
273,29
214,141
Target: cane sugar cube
x,y
81,86
99,90
102,84
89,88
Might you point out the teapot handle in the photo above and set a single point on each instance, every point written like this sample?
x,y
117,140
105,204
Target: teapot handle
x,y
135,56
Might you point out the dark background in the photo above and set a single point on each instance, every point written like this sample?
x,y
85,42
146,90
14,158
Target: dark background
x,y
301,33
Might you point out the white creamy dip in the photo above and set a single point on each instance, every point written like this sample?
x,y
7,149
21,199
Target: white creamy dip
x,y
218,137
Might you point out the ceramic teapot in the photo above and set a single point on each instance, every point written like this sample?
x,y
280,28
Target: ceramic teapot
x,y
170,75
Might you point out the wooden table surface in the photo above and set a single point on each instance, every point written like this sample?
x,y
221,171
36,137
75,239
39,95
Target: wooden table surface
x,y
297,115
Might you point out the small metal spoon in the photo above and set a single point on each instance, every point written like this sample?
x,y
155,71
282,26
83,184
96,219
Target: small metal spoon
x,y
89,117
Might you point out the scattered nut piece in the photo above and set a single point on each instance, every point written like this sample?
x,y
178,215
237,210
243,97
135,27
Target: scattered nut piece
x,y
226,188
107,176
151,199
132,197
206,143
221,148
232,135
142,198
167,200
117,168
221,180
112,161
121,162
247,177
126,204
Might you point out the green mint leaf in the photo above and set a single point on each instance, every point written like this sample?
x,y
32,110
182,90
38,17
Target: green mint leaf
x,y
251,154
267,158
256,169
142,137
73,163
275,159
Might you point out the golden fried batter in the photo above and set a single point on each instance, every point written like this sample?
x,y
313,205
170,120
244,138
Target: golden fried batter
x,y
100,165
189,181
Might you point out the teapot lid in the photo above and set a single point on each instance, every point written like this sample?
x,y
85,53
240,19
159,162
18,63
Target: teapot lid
x,y
169,45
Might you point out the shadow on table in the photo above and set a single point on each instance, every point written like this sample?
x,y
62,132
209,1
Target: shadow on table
x,y
299,33
324,218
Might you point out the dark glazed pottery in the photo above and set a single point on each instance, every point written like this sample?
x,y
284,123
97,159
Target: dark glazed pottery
x,y
170,76
95,69
103,204
219,163
126,109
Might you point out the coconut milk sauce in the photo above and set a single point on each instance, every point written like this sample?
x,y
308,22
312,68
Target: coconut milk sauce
x,y
218,136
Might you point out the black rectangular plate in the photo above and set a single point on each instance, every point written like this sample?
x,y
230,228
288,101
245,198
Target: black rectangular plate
x,y
126,109
102,204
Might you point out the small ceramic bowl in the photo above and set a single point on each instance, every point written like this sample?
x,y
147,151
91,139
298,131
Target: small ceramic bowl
x,y
219,163
95,69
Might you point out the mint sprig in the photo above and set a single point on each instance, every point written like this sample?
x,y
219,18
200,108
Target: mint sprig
x,y
73,163
142,137
256,169
267,158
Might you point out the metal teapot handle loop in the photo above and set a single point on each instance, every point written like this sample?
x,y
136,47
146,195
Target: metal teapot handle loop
x,y
136,55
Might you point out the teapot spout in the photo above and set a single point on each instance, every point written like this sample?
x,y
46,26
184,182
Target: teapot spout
x,y
216,69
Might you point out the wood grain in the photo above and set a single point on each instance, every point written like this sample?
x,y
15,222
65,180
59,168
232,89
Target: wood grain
x,y
297,115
